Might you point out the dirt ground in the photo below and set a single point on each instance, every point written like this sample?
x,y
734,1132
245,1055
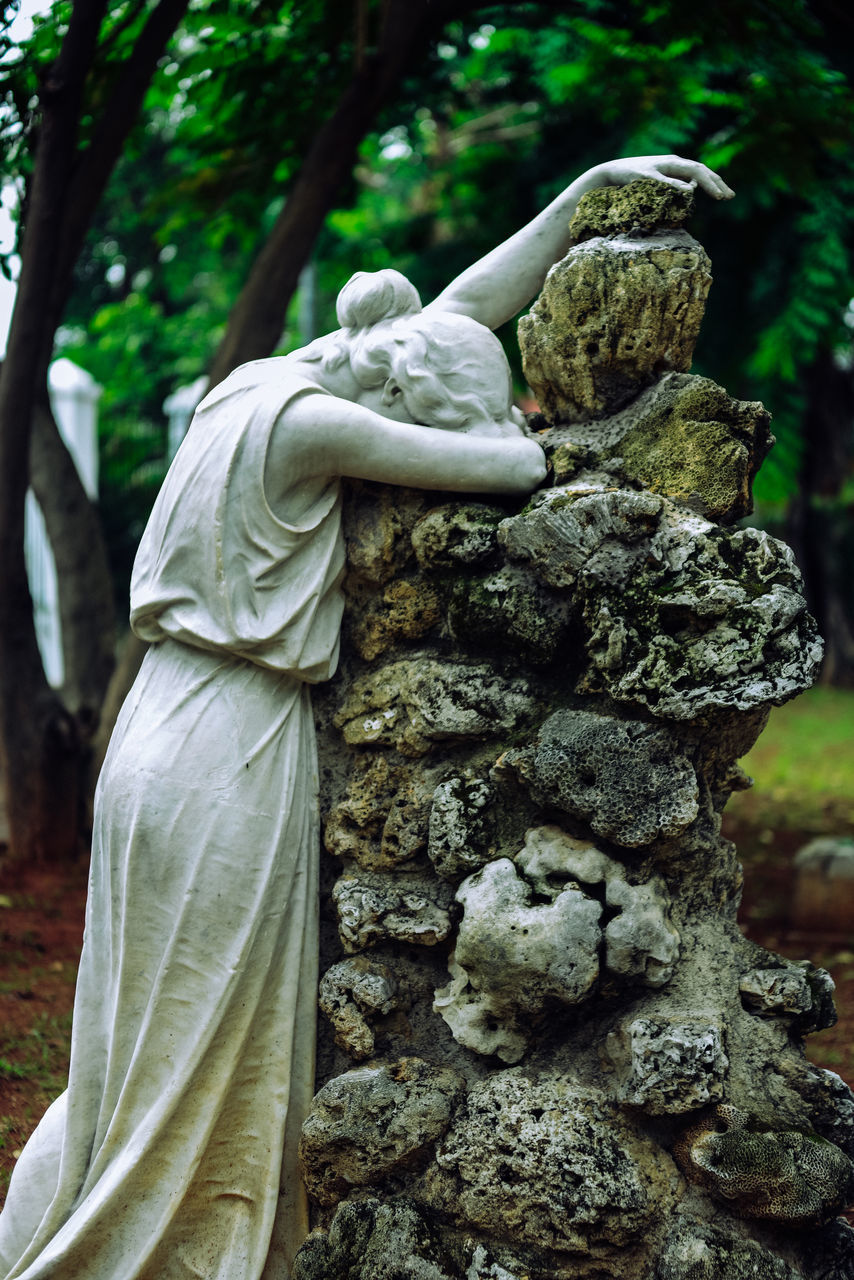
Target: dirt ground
x,y
41,924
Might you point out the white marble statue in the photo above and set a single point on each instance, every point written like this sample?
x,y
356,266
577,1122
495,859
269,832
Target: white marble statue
x,y
172,1153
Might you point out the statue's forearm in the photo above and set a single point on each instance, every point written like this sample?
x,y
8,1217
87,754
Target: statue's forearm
x,y
498,285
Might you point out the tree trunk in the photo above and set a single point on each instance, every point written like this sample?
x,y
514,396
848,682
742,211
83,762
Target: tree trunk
x,y
817,524
42,755
257,319
87,611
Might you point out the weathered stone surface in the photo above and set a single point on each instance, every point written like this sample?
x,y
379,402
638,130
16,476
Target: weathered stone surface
x,y
627,779
375,1240
644,205
510,611
405,610
668,1066
519,958
457,536
829,1100
352,992
597,531
612,316
372,1122
460,830
373,908
684,437
785,1175
549,1165
641,942
417,702
382,820
798,991
681,616
376,529
474,1022
698,1251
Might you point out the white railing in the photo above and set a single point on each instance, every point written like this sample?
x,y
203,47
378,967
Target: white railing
x,y
74,396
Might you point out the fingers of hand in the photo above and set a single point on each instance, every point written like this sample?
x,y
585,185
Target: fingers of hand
x,y
697,174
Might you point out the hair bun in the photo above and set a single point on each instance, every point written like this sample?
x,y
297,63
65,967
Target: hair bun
x,y
371,296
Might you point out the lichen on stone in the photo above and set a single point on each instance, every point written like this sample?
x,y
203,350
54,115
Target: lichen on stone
x,y
643,205
611,317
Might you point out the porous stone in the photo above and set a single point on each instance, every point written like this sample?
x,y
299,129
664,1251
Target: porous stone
x,y
370,1123
596,531
627,779
415,703
352,992
460,830
643,205
829,1100
517,959
375,1240
474,1022
456,537
786,1175
612,316
374,908
377,522
668,1066
403,611
523,955
684,437
641,942
801,992
699,1251
382,819
549,1165
510,611
682,617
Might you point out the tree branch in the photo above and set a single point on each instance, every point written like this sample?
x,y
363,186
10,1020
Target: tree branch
x,y
256,321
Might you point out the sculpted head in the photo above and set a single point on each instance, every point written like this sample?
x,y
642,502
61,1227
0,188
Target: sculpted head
x,y
440,369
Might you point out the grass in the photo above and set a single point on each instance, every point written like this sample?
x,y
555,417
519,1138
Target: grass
x,y
803,767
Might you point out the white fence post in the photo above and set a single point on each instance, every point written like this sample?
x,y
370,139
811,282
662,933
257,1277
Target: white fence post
x,y
74,396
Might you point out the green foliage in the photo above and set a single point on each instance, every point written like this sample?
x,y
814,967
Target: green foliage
x,y
506,105
802,767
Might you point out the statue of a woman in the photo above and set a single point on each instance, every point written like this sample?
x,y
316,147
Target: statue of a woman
x,y
172,1153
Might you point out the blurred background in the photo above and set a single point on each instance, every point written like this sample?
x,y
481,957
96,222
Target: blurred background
x,y
229,163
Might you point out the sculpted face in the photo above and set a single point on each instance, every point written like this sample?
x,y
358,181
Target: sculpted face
x,y
464,384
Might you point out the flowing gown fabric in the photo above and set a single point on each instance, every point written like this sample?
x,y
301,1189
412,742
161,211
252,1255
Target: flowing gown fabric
x,y
173,1152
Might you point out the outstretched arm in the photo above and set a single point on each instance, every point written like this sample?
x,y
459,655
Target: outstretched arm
x,y
323,435
497,286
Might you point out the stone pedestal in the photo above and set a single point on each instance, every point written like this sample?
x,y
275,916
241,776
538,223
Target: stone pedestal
x,y
550,1053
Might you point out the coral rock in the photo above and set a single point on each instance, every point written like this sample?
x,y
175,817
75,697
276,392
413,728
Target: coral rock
x,y
373,908
785,1175
669,1065
612,316
372,1122
548,1165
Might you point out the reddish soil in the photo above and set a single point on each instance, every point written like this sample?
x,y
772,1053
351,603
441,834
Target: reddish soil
x,y
41,928
41,922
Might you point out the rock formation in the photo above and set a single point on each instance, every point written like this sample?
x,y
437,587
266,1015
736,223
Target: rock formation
x,y
548,1052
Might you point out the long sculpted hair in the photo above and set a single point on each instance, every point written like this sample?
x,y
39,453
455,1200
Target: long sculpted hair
x,y
451,369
